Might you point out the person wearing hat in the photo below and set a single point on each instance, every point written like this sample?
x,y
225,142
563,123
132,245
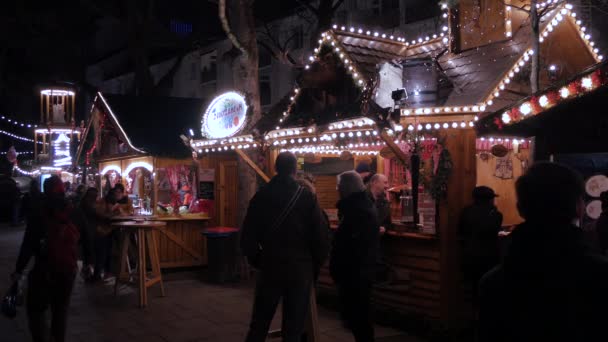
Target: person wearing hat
x,y
479,226
364,170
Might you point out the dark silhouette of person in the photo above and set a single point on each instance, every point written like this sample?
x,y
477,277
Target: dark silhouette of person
x,y
86,217
52,239
284,236
354,255
601,225
549,287
478,229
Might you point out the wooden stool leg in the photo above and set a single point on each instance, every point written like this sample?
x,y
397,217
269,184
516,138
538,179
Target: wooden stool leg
x,y
143,300
157,263
154,259
124,258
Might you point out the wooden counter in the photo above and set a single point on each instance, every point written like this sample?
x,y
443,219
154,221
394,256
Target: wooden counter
x,y
414,286
181,242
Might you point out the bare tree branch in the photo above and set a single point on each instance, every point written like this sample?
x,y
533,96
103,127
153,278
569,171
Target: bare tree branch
x,y
548,8
226,27
336,5
309,6
522,8
283,57
279,50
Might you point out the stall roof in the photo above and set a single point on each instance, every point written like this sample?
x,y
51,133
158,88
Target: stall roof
x,y
589,90
475,74
154,124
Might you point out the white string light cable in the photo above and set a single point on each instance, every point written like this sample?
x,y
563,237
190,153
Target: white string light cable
x,y
17,123
24,172
563,13
13,135
18,153
420,40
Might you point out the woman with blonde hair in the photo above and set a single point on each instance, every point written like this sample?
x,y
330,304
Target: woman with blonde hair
x,y
353,255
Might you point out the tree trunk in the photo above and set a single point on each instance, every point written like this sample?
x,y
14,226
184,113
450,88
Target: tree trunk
x,y
241,31
325,14
138,47
535,63
245,78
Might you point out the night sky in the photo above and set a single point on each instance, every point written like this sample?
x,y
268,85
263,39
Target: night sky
x,y
56,40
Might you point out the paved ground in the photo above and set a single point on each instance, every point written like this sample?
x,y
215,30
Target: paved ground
x,y
192,311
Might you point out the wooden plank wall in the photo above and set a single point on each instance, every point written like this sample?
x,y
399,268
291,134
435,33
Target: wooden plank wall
x,y
213,161
505,188
188,233
326,191
415,285
416,265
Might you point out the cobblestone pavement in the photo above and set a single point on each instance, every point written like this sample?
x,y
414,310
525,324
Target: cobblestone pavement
x,y
193,310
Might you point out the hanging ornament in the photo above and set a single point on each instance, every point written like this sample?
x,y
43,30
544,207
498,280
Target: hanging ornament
x,y
504,168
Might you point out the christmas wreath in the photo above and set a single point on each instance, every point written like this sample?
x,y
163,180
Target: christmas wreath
x,y
439,182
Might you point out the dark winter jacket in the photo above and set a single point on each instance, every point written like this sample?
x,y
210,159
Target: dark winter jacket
x,y
549,288
478,229
300,245
355,244
601,228
383,210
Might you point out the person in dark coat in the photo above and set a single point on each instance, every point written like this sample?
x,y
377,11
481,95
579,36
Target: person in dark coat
x,y
479,226
353,255
288,253
601,225
549,286
377,187
86,217
52,239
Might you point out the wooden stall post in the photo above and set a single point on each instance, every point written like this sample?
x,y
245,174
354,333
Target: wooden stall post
x,y
252,164
461,145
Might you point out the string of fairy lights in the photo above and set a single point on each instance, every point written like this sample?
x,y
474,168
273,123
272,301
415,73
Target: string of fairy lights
x,y
561,14
17,123
338,135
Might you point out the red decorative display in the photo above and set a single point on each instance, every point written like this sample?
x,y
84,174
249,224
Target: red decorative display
x,y
578,87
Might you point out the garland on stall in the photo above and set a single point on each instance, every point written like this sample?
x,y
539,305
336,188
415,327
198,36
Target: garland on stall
x,y
537,104
439,182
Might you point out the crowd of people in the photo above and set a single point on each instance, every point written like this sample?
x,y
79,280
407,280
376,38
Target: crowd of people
x,y
61,228
545,284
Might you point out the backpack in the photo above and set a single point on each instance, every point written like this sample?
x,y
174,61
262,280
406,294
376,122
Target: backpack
x,y
61,243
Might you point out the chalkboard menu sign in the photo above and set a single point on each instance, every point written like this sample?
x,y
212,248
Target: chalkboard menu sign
x,y
205,190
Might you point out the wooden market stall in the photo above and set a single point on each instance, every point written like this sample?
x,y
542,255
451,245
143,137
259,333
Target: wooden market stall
x,y
135,141
567,123
408,108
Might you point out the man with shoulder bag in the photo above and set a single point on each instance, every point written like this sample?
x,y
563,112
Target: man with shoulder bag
x,y
285,237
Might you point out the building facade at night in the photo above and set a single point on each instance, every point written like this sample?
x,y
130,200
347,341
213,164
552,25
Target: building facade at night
x,y
206,71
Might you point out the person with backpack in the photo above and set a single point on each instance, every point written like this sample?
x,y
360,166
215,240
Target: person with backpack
x,y
52,239
284,236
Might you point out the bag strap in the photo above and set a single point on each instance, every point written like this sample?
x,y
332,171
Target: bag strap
x,y
279,221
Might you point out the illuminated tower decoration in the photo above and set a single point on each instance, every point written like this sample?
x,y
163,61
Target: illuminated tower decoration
x,y
57,129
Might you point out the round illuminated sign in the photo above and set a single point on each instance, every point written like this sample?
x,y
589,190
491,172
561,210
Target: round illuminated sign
x,y
225,116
